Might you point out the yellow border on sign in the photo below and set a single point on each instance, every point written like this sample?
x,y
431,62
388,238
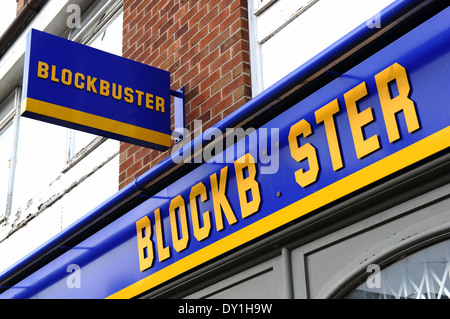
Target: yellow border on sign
x,y
94,121
388,165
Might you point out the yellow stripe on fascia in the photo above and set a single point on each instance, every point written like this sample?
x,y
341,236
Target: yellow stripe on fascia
x,y
383,168
94,121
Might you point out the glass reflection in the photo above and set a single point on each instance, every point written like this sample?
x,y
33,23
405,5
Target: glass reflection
x,y
422,275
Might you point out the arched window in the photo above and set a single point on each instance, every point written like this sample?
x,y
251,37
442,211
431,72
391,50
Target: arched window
x,y
424,274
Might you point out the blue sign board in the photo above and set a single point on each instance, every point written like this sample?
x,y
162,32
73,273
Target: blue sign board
x,y
73,85
382,116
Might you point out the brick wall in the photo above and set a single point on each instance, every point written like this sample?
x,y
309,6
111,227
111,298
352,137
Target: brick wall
x,y
204,45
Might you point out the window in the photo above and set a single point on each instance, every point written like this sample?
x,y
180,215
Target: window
x,y
7,15
7,111
40,159
109,39
261,5
422,275
287,33
5,162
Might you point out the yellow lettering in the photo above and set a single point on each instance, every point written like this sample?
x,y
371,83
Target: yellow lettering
x,y
78,84
358,120
104,88
42,70
139,94
220,200
116,91
149,101
90,84
247,185
66,77
300,153
53,77
201,233
163,252
160,103
391,106
177,204
129,98
325,115
145,245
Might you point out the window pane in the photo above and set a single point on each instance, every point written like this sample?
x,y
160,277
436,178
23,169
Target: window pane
x,y
109,40
6,142
287,33
5,155
7,107
422,275
40,159
79,140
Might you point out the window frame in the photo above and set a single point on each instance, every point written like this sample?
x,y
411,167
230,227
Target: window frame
x,y
97,17
405,259
255,9
260,5
94,22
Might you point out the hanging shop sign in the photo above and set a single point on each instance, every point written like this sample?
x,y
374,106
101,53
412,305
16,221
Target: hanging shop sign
x,y
73,85
383,116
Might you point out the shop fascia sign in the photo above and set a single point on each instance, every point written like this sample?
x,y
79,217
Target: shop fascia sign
x,y
76,86
386,114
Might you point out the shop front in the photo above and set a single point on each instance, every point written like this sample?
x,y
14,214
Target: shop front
x,y
332,183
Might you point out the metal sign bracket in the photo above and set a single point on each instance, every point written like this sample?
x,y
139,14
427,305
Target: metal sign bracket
x,y
178,114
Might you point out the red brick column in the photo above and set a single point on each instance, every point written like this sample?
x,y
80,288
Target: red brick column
x,y
205,47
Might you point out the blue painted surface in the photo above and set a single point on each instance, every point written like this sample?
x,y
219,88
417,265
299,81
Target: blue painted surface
x,y
99,66
109,260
